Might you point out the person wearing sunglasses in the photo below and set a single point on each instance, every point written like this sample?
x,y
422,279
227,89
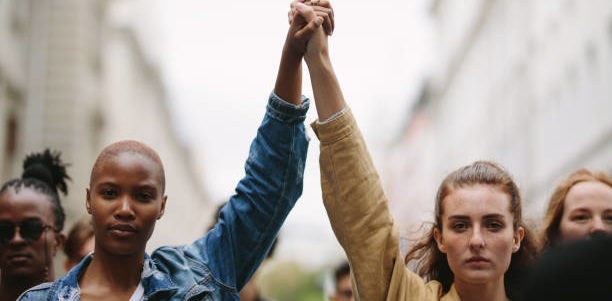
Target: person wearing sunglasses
x,y
31,221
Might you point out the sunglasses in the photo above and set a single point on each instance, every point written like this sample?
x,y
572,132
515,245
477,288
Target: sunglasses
x,y
29,230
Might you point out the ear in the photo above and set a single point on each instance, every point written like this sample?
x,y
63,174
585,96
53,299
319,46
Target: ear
x,y
163,207
517,239
58,242
88,200
438,237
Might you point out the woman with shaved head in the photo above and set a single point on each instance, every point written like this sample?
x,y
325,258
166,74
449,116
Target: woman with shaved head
x,y
126,197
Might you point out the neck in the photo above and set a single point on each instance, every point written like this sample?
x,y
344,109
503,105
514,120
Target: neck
x,y
492,290
11,287
117,273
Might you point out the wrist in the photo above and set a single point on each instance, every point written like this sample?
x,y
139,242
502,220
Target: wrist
x,y
293,50
317,56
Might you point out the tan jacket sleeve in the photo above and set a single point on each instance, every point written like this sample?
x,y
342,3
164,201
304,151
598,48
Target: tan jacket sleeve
x,y
359,214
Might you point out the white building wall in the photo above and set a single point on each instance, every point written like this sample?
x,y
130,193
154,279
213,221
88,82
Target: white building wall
x,y
523,83
14,37
72,81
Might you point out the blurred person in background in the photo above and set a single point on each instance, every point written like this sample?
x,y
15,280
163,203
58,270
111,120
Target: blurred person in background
x,y
579,208
478,247
343,289
79,242
126,196
31,223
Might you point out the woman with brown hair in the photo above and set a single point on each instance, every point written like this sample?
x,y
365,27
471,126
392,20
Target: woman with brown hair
x,y
579,208
459,192
478,245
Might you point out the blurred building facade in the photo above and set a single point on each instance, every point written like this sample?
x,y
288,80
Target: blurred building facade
x,y
524,83
74,79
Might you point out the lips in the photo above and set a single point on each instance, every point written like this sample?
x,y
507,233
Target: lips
x,y
18,258
122,230
477,259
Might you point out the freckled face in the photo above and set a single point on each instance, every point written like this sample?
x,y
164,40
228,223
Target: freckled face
x,y
587,211
125,200
477,233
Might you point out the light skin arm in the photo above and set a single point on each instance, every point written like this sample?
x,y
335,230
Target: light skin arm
x,y
289,79
352,192
326,88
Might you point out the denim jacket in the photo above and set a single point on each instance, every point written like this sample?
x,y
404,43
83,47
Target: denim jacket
x,y
219,264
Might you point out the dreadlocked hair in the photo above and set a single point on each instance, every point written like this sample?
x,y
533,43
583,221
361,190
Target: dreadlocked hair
x,y
45,173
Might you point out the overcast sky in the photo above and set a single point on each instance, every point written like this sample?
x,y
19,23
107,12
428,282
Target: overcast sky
x,y
220,58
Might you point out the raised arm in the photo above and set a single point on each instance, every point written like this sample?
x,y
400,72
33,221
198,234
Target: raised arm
x,y
273,180
353,195
289,78
327,93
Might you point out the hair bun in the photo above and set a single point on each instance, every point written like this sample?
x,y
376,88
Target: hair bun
x,y
47,167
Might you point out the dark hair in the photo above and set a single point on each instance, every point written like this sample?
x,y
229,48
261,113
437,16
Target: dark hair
x,y
556,204
79,233
45,173
432,264
342,270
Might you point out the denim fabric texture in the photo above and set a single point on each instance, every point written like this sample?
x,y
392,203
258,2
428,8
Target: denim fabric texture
x,y
219,264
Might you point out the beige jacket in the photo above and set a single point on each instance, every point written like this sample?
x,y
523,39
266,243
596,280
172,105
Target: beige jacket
x,y
359,214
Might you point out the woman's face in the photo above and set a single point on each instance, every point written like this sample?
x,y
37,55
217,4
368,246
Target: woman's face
x,y
27,243
477,233
587,211
125,199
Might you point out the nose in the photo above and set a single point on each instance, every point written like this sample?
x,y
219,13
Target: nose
x,y
477,241
124,210
597,228
17,239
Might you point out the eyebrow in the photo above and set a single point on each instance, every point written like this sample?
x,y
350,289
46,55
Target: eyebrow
x,y
487,216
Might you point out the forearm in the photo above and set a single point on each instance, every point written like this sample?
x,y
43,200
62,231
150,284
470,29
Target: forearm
x,y
289,78
273,182
326,88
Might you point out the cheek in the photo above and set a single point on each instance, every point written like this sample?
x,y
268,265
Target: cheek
x,y
571,230
456,245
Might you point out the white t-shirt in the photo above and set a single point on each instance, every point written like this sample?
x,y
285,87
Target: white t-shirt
x,y
138,294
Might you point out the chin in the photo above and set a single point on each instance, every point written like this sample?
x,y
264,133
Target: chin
x,y
21,272
479,277
123,249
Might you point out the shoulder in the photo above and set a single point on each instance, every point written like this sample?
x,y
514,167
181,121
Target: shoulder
x,y
36,293
171,258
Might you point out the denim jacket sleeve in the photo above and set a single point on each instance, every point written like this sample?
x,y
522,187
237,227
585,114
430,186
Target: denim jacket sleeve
x,y
360,218
273,181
